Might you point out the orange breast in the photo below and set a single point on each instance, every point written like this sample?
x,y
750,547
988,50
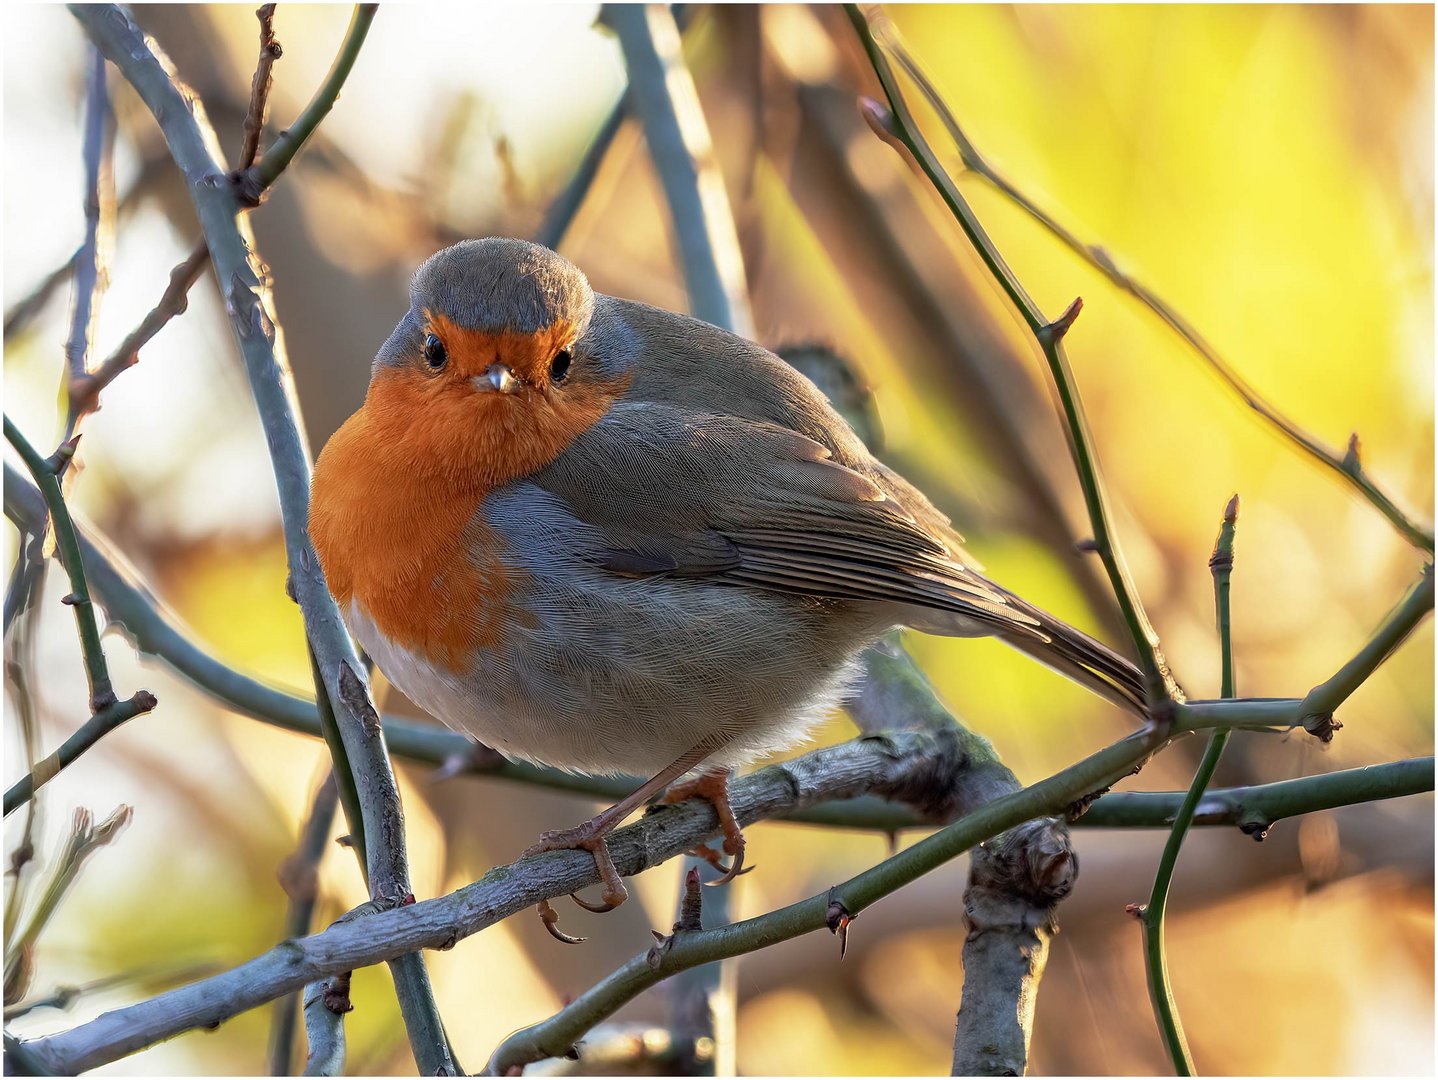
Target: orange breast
x,y
395,500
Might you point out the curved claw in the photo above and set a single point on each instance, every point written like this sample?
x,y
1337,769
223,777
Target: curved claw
x,y
550,918
730,873
598,909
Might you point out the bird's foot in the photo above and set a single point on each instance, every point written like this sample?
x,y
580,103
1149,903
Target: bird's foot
x,y
714,786
594,839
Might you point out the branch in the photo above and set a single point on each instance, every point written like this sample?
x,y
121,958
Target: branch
x,y
247,300
893,764
84,393
29,306
1255,809
1325,698
90,274
47,473
299,876
897,126
662,93
278,156
1015,884
1346,466
87,735
270,51
561,212
1152,914
832,909
326,1002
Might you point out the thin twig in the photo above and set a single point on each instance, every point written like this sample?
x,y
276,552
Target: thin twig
x,y
47,473
279,155
662,93
1325,698
1160,987
248,302
85,391
91,276
27,307
1256,808
270,51
87,735
560,214
299,875
896,124
1346,465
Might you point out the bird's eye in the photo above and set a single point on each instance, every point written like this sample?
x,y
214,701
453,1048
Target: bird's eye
x,y
434,354
559,366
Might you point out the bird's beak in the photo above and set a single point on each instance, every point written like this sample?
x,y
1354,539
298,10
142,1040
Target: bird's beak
x,y
496,377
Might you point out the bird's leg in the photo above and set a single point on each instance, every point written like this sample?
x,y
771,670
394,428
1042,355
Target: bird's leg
x,y
593,836
714,786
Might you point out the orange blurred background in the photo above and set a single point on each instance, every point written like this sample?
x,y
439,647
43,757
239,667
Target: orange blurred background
x,y
1267,170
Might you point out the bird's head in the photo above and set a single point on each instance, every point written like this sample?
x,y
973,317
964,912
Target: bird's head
x,y
492,372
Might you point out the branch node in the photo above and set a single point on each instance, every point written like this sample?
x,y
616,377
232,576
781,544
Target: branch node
x,y
1256,829
336,995
1322,726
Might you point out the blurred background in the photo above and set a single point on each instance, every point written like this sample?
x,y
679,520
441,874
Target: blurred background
x,y
1267,170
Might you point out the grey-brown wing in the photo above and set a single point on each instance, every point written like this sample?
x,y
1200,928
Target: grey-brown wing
x,y
677,491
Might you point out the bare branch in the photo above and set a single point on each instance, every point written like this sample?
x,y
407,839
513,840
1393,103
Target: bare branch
x,y
248,303
662,94
91,275
898,128
1348,465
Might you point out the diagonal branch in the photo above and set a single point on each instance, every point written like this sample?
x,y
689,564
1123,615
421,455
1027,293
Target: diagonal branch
x,y
893,764
47,473
1347,466
245,290
898,127
661,92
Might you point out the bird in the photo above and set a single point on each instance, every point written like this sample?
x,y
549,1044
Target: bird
x,y
613,539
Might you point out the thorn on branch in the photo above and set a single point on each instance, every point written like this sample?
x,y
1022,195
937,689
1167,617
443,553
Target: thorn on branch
x,y
1054,332
1087,546
1352,463
60,460
837,919
1138,911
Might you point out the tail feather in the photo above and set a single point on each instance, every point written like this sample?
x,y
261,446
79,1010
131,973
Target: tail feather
x,y
1087,661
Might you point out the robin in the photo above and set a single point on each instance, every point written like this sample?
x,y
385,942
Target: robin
x,y
612,539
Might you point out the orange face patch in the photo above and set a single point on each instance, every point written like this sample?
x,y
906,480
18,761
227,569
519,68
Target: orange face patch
x,y
528,355
397,488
